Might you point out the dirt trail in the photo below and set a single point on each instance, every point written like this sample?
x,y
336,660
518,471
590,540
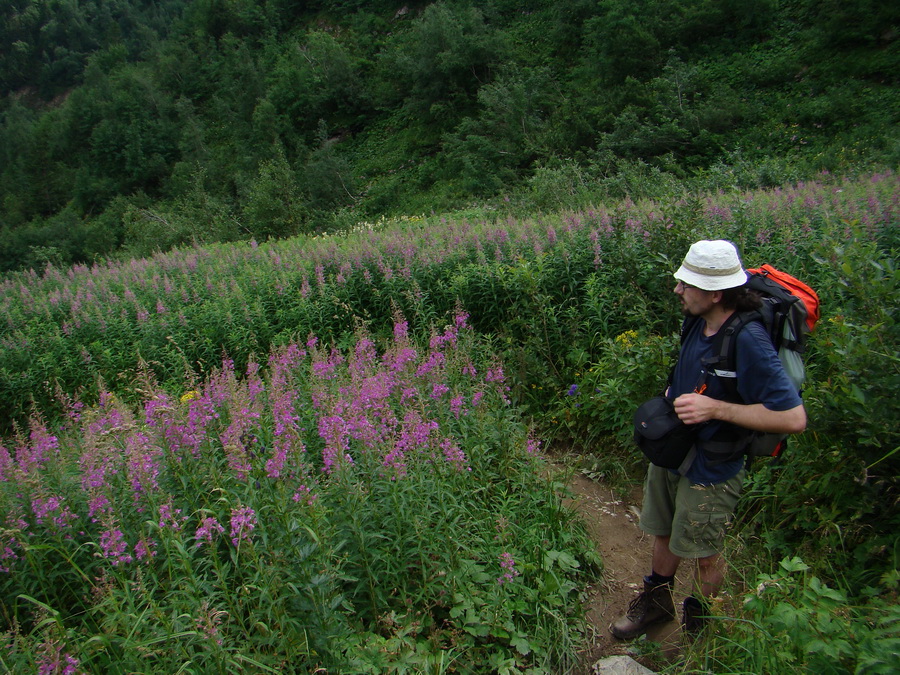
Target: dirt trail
x,y
612,525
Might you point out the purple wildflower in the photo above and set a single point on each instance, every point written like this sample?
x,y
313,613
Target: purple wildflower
x,y
169,517
403,356
41,507
435,360
508,567
114,547
42,445
275,463
208,530
99,505
52,660
243,520
143,464
304,493
454,455
145,548
208,622
457,404
333,429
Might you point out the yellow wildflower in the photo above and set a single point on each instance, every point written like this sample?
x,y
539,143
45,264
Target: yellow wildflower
x,y
627,338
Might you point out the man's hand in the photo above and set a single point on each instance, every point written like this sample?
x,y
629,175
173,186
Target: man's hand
x,y
696,408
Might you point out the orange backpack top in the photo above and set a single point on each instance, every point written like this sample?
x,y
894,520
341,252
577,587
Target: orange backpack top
x,y
794,286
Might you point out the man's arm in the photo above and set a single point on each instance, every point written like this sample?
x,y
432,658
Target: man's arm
x,y
696,408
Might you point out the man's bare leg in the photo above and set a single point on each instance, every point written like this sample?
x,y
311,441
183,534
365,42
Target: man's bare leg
x,y
664,561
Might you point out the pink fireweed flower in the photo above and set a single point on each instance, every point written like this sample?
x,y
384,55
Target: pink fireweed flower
x,y
408,394
143,464
363,358
169,517
395,460
439,390
325,370
435,360
396,361
333,429
438,341
454,455
41,507
275,463
7,553
95,466
235,448
52,660
508,567
52,511
42,445
457,406
159,408
551,235
99,505
208,530
243,520
208,622
283,414
320,277
304,493
144,549
114,547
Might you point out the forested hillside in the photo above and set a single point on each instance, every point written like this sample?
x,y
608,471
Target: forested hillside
x,y
132,126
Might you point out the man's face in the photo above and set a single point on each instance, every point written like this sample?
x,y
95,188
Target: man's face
x,y
694,301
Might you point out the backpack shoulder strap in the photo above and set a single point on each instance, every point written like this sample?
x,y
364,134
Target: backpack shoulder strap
x,y
723,362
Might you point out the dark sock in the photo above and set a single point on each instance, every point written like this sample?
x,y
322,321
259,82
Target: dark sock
x,y
659,580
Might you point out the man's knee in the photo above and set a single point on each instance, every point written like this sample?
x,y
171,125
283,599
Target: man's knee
x,y
710,563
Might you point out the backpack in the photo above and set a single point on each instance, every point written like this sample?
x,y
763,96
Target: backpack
x,y
789,312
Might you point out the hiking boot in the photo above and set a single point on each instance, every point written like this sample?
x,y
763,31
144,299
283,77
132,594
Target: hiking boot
x,y
653,606
694,617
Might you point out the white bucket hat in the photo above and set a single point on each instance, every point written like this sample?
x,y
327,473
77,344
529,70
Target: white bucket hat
x,y
712,266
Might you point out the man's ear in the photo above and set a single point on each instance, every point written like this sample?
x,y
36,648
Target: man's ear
x,y
717,296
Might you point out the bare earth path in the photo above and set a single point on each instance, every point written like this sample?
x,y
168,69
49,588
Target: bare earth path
x,y
611,523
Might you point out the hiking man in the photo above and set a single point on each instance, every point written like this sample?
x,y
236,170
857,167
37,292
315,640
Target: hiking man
x,y
688,514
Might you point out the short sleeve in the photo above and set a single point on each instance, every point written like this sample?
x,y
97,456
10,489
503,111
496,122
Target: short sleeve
x,y
760,376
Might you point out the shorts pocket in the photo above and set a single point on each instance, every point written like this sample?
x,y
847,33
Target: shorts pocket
x,y
706,532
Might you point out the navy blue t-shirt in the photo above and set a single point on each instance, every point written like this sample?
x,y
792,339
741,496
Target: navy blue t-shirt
x,y
760,379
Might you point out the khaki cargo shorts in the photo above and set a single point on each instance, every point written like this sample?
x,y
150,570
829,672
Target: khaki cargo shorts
x,y
694,516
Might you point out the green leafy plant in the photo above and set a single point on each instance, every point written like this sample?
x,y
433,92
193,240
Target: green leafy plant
x,y
792,619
